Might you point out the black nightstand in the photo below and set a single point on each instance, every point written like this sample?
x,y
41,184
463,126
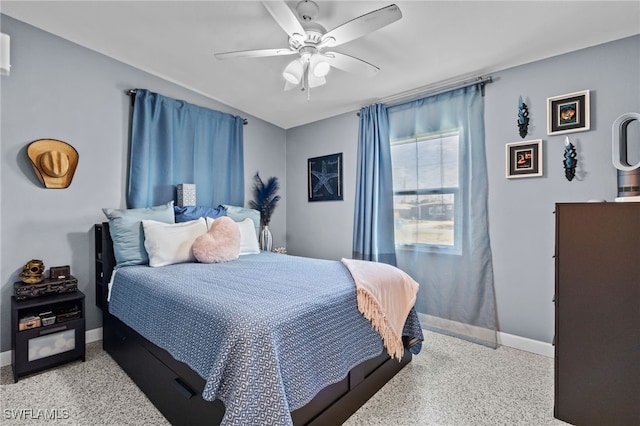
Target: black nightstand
x,y
56,337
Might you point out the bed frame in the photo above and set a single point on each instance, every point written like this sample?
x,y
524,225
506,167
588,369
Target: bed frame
x,y
175,389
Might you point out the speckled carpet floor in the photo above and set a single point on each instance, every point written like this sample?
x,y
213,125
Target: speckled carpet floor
x,y
450,383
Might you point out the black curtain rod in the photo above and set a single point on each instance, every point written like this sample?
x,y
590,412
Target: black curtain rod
x,y
132,92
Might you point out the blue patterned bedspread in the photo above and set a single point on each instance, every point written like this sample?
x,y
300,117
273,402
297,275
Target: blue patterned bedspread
x,y
266,332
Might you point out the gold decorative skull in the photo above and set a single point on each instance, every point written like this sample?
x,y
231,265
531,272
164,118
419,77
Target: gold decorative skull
x,y
32,272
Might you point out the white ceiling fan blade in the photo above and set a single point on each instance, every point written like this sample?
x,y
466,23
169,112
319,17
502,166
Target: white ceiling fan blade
x,y
285,18
351,64
361,26
256,53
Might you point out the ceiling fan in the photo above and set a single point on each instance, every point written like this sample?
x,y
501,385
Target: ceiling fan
x,y
309,40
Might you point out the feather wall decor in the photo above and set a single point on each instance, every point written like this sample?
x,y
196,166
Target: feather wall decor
x,y
570,161
523,118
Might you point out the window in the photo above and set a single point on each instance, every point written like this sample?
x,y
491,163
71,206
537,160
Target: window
x,y
427,202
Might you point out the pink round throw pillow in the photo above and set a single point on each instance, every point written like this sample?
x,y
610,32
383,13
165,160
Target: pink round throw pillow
x,y
220,244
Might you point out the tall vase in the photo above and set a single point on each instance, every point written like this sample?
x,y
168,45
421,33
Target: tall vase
x,y
266,240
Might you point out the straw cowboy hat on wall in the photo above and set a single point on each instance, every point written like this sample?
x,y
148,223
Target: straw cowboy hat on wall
x,y
54,161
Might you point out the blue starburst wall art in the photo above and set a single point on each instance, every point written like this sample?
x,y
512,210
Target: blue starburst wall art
x,y
325,178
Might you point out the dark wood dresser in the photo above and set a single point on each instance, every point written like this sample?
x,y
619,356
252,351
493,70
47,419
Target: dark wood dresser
x,y
597,305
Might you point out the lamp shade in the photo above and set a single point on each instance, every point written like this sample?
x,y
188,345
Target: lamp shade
x,y
5,58
320,65
316,81
293,72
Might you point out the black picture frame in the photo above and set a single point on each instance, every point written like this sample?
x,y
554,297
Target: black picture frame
x,y
324,176
524,159
568,113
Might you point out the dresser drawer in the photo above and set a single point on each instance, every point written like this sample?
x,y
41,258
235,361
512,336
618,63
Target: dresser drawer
x,y
178,396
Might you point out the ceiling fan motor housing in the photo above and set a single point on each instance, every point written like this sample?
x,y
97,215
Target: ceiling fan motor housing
x,y
307,10
312,36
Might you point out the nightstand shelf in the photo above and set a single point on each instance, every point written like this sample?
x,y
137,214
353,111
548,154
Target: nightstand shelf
x,y
43,346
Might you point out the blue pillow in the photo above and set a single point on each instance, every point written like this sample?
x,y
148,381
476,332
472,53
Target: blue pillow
x,y
188,213
125,227
240,213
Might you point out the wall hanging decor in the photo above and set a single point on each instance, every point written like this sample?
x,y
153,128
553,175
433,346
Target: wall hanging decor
x,y
523,118
54,162
325,178
524,159
568,113
570,160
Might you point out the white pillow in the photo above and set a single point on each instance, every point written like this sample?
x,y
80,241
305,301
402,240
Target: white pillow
x,y
248,240
167,244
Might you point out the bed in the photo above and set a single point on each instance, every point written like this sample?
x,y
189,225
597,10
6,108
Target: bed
x,y
277,338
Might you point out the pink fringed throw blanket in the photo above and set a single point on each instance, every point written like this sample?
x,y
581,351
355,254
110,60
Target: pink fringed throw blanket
x,y
385,296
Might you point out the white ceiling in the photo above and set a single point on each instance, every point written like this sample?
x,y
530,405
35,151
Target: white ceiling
x,y
435,42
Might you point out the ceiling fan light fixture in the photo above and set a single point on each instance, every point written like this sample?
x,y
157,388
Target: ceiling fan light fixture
x,y
320,65
308,39
293,72
316,81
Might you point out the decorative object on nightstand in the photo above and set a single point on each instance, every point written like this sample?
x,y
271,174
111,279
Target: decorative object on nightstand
x,y
33,283
32,272
46,287
59,272
570,161
265,201
523,118
46,331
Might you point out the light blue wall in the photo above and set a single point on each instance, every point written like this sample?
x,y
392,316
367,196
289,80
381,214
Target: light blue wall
x,y
321,229
520,210
60,90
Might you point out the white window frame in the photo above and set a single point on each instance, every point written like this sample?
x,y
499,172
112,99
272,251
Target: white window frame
x,y
456,248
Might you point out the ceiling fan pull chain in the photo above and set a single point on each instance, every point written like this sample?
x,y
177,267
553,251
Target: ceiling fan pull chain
x,y
305,81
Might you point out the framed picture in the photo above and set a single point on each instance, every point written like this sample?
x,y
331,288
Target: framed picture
x,y
325,178
568,113
524,159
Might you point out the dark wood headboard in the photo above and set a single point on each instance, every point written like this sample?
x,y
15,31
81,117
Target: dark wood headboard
x,y
105,261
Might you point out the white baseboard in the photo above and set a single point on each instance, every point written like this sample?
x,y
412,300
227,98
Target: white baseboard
x,y
90,336
93,335
5,358
525,344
